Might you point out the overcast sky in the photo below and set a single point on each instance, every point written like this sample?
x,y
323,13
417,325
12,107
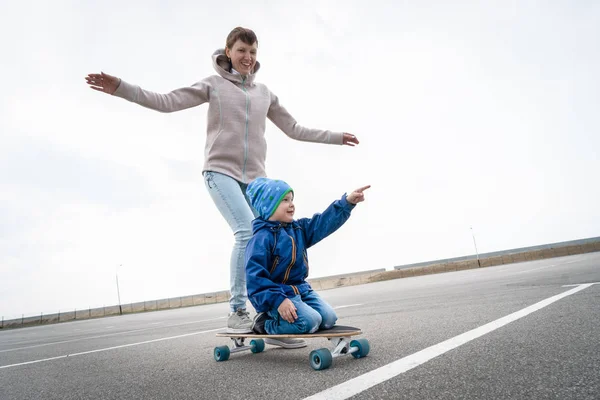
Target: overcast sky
x,y
480,114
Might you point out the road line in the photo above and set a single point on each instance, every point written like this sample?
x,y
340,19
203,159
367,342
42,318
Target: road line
x,y
110,348
346,306
363,382
107,334
546,266
536,269
577,284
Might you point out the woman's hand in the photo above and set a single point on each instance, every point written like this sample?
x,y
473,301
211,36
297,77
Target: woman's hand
x,y
287,311
103,82
357,196
349,139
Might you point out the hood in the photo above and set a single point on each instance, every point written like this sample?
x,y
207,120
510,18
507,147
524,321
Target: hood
x,y
223,68
260,224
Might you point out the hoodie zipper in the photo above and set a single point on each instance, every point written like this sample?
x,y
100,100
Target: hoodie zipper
x,y
306,263
289,268
246,133
275,262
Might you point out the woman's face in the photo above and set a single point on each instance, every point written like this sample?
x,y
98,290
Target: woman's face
x,y
243,57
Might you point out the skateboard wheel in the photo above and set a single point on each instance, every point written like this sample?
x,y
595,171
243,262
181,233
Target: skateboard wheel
x,y
320,359
222,353
257,345
363,347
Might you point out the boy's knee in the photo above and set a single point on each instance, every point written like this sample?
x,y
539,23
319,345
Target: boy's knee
x,y
309,324
328,320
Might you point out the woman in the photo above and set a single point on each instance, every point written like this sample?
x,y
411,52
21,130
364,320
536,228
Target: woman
x,y
235,149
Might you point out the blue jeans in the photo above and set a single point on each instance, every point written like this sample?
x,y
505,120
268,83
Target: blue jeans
x,y
229,196
313,314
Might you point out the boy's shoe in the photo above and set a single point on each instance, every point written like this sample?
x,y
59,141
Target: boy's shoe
x,y
286,343
258,325
239,322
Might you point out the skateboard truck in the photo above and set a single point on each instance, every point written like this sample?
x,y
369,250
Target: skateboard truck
x,y
323,358
255,346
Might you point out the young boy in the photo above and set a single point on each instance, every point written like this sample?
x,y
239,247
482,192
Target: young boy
x,y
277,263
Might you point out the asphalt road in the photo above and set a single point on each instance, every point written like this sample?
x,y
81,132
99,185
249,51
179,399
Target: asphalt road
x,y
507,332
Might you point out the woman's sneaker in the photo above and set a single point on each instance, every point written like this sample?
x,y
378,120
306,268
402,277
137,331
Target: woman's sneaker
x,y
239,322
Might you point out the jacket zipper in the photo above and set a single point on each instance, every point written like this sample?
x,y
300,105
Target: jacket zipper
x,y
289,268
246,133
306,263
274,264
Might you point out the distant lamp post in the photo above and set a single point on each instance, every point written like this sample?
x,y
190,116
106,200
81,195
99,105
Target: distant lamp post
x,y
475,244
118,292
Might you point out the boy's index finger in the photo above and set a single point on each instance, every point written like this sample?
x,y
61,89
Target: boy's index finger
x,y
362,189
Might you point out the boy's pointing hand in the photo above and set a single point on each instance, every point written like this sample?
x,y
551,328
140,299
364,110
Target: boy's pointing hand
x,y
357,196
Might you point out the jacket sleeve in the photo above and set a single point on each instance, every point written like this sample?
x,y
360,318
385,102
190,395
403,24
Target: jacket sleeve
x,y
264,294
322,225
284,121
178,99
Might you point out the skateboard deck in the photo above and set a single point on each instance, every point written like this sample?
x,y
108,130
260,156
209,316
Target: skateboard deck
x,y
336,331
340,337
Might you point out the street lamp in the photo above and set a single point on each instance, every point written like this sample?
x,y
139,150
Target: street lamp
x,y
118,292
474,243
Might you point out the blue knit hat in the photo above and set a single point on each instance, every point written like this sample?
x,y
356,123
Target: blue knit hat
x,y
265,195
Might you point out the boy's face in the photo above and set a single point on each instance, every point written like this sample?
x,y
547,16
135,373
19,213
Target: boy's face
x,y
285,210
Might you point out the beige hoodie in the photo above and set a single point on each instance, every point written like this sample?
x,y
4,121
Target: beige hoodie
x,y
237,112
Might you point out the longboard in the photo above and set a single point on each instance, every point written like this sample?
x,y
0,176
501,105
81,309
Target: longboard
x,y
340,337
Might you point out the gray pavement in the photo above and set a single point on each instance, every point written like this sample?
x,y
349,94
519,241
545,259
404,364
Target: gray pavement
x,y
552,353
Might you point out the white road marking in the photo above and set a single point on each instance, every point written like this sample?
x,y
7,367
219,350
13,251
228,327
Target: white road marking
x,y
577,284
110,348
363,382
106,334
544,267
346,306
535,269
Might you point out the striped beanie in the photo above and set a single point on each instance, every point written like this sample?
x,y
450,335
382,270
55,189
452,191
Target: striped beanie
x,y
265,195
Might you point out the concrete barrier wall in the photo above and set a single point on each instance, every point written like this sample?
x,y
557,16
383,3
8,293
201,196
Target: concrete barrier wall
x,y
491,259
329,282
435,268
532,252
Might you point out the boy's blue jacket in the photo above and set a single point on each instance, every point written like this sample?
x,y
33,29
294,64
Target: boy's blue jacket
x,y
276,260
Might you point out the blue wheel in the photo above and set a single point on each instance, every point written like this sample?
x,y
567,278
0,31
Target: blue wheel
x,y
257,345
320,359
363,348
222,353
